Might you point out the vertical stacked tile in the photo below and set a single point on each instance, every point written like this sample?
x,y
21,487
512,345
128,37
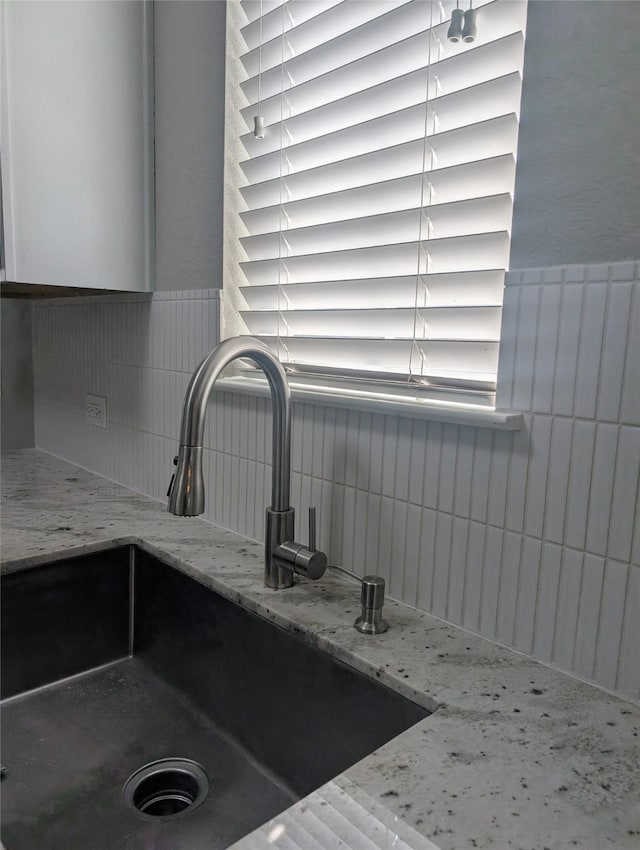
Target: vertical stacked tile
x,y
530,538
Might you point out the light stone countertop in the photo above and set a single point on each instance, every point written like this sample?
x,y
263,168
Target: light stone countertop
x,y
516,755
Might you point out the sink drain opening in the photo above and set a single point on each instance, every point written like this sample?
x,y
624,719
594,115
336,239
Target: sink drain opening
x,y
166,788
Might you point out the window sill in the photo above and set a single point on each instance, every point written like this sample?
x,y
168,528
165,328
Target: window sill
x,y
438,411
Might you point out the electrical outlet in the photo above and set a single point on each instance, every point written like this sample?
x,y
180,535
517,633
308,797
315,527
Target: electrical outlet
x,y
95,410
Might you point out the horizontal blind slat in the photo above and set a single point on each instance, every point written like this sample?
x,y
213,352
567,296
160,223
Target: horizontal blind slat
x,y
405,62
296,14
438,221
320,46
324,114
443,323
473,289
470,106
442,186
440,357
494,137
339,31
457,253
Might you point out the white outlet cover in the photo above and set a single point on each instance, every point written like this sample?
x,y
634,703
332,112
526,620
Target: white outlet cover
x,y
95,410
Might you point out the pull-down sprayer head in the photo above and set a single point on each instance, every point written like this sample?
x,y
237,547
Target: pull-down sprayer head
x,y
186,495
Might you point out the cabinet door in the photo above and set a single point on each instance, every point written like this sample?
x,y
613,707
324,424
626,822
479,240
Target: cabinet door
x,y
76,143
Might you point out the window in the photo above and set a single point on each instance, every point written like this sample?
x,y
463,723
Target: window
x,y
368,229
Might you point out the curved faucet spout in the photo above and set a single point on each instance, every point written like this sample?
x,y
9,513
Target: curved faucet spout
x,y
186,494
282,555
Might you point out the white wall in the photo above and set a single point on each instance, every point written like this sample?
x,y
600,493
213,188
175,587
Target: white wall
x,y
17,375
189,145
530,538
577,180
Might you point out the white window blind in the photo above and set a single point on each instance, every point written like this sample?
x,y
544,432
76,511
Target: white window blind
x,y
368,231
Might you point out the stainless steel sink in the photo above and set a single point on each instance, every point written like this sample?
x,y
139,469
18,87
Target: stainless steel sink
x,y
114,662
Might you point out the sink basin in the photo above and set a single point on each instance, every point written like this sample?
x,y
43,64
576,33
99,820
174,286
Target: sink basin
x,y
114,662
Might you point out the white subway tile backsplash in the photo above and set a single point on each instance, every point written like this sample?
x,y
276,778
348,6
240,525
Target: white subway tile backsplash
x,y
622,271
588,615
317,443
416,468
328,443
616,577
361,560
375,452
558,479
337,526
526,337
481,473
529,538
324,515
464,471
567,608
598,271
473,581
490,581
567,350
544,367
508,593
457,569
599,513
553,275
530,277
591,333
432,465
630,414
538,471
348,529
389,446
517,483
440,585
352,448
499,475
447,476
385,535
625,504
403,459
412,555
427,558
340,459
398,549
580,465
546,602
575,274
614,352
628,678
527,594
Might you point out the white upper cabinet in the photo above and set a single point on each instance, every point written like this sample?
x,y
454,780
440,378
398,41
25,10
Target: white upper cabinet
x,y
76,138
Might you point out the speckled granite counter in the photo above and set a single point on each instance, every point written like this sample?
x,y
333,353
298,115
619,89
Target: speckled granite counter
x,y
516,755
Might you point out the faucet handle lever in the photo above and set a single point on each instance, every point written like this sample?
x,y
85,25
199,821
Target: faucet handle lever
x,y
307,561
312,530
173,477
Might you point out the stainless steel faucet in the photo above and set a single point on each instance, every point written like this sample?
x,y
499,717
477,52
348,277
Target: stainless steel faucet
x,y
282,555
